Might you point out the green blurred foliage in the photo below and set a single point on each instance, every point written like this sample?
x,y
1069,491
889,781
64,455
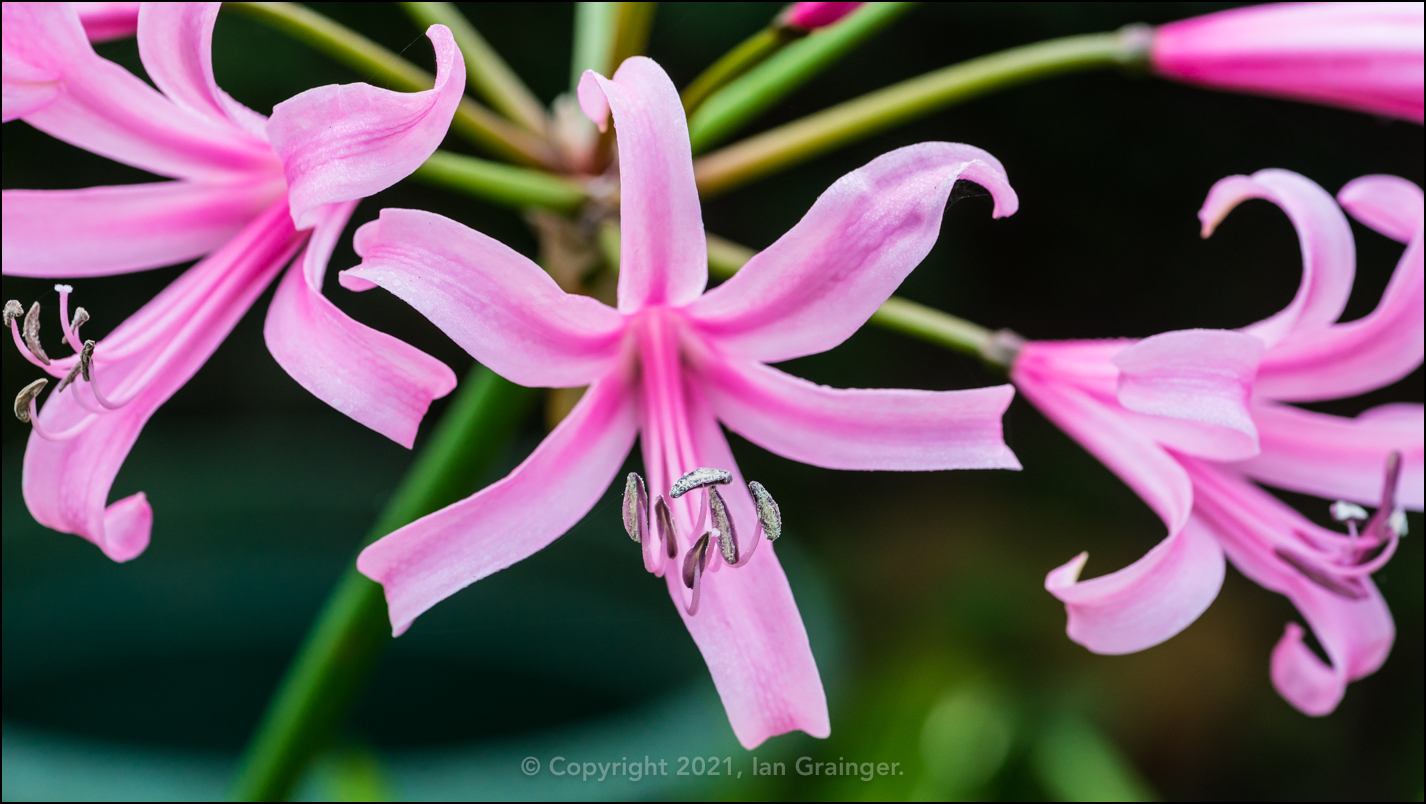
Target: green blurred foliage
x,y
923,593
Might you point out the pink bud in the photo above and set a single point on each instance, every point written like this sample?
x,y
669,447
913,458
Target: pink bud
x,y
1365,56
811,16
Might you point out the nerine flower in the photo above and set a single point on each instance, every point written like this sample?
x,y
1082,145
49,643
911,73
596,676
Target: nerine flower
x,y
810,16
667,366
248,192
1193,420
1365,56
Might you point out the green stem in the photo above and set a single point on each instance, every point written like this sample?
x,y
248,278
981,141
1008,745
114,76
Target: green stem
x,y
900,315
352,628
594,25
472,121
487,73
503,184
766,84
872,113
752,52
631,32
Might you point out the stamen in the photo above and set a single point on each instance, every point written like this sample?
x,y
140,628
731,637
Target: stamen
x,y
699,478
1348,588
1344,511
1397,521
69,378
769,515
32,334
693,566
636,507
723,527
663,521
71,329
13,310
24,400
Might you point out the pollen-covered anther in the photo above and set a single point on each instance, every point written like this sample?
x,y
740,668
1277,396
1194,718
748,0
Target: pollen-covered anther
x,y
723,526
80,316
636,507
13,310
26,398
663,522
699,478
769,515
31,333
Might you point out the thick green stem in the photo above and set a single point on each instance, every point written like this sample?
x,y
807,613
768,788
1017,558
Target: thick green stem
x,y
872,113
487,73
764,85
352,628
474,122
901,315
631,33
747,55
503,184
594,26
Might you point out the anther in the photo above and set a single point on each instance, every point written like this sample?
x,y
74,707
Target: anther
x,y
86,359
1397,522
699,478
769,515
26,397
1344,511
1346,587
80,316
31,332
723,526
636,503
696,560
663,521
13,310
69,378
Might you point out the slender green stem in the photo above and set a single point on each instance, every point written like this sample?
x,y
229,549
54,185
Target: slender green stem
x,y
764,85
900,315
487,73
747,55
862,117
352,628
631,33
503,184
472,121
594,26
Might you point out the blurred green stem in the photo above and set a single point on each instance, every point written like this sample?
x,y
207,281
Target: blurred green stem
x,y
631,31
872,113
352,628
747,55
594,25
765,84
902,315
472,121
503,184
487,73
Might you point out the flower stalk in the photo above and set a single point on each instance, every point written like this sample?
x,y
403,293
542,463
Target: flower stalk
x,y
877,111
352,628
507,185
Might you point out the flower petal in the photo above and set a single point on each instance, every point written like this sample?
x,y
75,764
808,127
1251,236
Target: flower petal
x,y
1329,260
176,46
439,554
1356,632
347,141
58,84
663,255
1146,602
1045,372
105,21
1379,348
748,626
856,428
1337,457
1200,375
495,303
372,377
822,280
148,357
99,231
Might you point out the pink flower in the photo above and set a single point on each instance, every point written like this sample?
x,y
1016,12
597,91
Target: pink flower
x,y
811,16
1365,56
241,183
1190,419
669,364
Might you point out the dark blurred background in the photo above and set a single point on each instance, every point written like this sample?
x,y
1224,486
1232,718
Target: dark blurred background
x,y
922,592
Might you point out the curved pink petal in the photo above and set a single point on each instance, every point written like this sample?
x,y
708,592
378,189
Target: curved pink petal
x,y
1146,602
58,84
663,255
1355,630
109,230
1042,373
105,21
176,46
1200,375
1329,260
438,555
809,16
348,141
1381,347
376,379
1339,458
146,359
500,307
748,627
822,280
856,428
1365,56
